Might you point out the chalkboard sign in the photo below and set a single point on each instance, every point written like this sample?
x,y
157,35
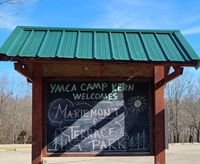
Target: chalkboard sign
x,y
98,116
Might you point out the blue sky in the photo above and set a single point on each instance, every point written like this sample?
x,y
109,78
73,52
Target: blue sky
x,y
135,14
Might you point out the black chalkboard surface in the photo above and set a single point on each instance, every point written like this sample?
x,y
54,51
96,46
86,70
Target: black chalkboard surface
x,y
98,116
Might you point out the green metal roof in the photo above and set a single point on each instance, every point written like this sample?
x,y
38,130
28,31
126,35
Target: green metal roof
x,y
100,44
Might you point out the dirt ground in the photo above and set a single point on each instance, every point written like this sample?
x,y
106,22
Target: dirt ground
x,y
176,154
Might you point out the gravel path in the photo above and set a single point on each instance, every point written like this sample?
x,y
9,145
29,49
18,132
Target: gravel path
x,y
176,154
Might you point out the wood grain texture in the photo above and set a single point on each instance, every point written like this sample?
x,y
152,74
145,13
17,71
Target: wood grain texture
x,y
159,123
37,114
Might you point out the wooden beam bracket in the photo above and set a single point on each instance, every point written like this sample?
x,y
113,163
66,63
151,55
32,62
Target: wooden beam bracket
x,y
177,72
21,68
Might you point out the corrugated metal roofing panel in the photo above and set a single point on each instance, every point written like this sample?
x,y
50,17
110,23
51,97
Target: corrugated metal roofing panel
x,y
101,44
120,51
18,43
152,47
50,44
136,47
167,46
67,44
85,45
32,45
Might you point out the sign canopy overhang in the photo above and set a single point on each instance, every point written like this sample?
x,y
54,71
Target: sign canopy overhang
x,y
120,45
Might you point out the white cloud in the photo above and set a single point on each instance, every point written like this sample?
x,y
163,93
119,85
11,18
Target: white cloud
x,y
10,22
192,30
145,14
135,14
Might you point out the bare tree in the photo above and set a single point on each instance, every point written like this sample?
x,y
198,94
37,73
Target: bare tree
x,y
182,99
15,109
175,92
5,94
3,2
192,110
8,7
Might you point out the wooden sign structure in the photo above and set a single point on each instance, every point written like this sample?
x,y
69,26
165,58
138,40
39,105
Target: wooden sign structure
x,y
98,93
101,116
98,117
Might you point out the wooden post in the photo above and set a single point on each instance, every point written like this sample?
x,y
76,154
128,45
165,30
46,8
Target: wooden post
x,y
37,112
159,116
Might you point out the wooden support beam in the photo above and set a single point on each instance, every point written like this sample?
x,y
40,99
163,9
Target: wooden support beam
x,y
21,68
37,114
177,72
159,117
95,62
98,70
3,58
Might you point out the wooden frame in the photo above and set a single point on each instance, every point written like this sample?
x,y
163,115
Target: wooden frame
x,y
21,68
156,91
37,114
159,116
88,154
99,62
157,104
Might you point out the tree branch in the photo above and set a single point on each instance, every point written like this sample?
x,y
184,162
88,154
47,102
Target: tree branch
x,y
12,2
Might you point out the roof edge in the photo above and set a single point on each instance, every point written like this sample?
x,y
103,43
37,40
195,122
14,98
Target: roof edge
x,y
98,29
4,57
193,63
198,64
